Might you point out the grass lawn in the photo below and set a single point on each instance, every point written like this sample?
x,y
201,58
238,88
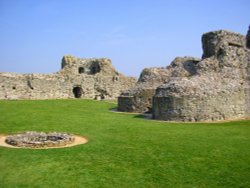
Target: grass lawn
x,y
124,150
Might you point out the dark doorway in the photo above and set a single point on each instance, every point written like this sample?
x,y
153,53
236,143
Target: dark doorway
x,y
77,92
81,70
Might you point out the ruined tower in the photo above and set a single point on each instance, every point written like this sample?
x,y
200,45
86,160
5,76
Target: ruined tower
x,y
79,78
140,97
215,87
218,89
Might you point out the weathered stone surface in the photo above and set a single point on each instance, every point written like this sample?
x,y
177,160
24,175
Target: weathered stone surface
x,y
140,97
78,78
33,139
215,43
200,99
218,90
216,87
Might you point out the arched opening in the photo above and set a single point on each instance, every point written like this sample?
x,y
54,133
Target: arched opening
x,y
81,70
77,92
116,78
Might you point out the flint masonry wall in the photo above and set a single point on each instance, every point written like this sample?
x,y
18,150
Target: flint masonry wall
x,y
78,78
216,87
220,88
140,97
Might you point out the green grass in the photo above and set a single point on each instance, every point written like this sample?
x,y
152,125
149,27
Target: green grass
x,y
124,150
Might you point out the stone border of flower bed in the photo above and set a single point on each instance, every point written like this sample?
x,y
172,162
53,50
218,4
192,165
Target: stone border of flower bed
x,y
63,140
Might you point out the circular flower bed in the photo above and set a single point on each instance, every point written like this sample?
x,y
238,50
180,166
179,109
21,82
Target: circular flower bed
x,y
33,139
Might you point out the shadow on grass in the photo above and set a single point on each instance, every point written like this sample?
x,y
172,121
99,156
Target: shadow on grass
x,y
113,109
146,116
139,116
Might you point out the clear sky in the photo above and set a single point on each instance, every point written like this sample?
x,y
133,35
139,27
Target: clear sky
x,y
134,34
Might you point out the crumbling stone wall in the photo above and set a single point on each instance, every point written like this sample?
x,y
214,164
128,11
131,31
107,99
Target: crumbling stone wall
x,y
78,78
217,91
215,87
140,97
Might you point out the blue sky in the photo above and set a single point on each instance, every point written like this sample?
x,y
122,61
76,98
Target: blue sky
x,y
134,34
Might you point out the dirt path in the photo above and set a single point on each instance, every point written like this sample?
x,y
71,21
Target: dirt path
x,y
78,140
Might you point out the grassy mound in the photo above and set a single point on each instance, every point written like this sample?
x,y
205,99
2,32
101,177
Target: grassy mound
x,y
124,150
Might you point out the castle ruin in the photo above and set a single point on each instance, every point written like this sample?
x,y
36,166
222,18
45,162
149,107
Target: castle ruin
x,y
78,78
215,87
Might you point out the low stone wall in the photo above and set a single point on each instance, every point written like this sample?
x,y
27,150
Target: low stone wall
x,y
196,103
140,97
33,139
141,101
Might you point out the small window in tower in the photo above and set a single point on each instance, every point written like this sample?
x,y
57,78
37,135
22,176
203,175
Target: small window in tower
x,y
95,69
81,70
116,78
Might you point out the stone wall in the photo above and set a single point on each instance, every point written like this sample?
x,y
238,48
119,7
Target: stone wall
x,y
216,87
140,97
217,91
199,99
78,78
